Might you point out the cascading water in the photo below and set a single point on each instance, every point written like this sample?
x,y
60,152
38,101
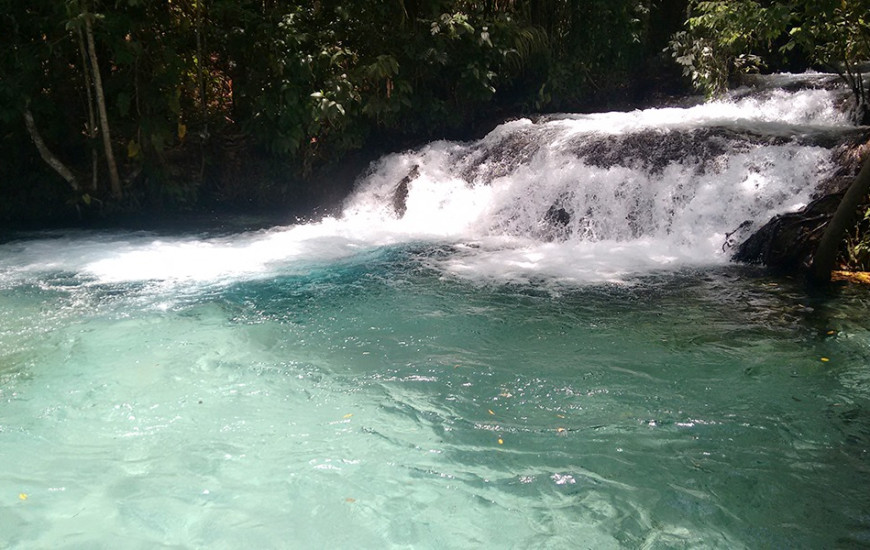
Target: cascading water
x,y
587,197
349,383
568,198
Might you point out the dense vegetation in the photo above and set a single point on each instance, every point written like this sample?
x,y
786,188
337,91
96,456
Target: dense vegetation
x,y
132,105
726,38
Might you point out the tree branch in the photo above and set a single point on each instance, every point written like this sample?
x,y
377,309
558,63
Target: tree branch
x,y
45,153
114,179
829,245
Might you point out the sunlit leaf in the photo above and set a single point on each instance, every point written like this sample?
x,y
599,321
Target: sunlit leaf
x,y
133,149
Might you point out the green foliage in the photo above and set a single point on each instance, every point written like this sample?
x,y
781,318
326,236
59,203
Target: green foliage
x,y
837,35
599,43
724,38
299,83
856,255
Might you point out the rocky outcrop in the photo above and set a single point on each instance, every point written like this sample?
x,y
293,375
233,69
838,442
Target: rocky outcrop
x,y
400,193
788,242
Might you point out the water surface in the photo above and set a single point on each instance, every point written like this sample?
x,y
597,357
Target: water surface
x,y
376,403
531,341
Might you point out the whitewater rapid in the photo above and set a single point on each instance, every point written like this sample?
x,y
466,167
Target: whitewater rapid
x,y
569,198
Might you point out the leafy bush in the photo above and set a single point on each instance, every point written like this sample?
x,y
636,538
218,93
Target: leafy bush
x,y
724,38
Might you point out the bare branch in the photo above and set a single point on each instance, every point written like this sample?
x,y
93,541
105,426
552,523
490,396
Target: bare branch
x,y
46,153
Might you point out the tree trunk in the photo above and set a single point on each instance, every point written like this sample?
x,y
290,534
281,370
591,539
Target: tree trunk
x,y
200,76
45,153
92,119
829,245
114,179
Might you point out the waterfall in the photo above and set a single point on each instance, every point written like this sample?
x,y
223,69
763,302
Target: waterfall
x,y
573,197
592,196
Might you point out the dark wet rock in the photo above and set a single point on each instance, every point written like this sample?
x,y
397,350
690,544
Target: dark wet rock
x,y
654,150
557,216
847,156
649,150
400,194
758,84
788,241
555,224
487,161
735,237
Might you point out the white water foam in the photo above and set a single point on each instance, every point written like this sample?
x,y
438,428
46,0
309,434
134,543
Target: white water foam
x,y
572,198
531,201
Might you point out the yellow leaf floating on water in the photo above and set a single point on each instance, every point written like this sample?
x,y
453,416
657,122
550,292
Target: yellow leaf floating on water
x,y
347,415
560,415
490,411
825,359
500,441
22,496
832,332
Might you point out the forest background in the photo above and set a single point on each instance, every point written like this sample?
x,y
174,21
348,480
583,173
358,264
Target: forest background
x,y
118,108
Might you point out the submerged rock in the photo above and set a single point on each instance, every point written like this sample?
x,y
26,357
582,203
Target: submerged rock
x,y
557,216
554,225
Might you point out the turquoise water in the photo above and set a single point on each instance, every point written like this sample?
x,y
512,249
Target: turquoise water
x,y
375,401
535,340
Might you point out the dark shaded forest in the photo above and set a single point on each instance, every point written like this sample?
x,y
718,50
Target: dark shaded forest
x,y
129,106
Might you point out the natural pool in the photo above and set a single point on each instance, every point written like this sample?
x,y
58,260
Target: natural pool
x,y
373,403
535,340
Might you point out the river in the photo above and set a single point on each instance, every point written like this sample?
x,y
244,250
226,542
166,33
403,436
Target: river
x,y
536,340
